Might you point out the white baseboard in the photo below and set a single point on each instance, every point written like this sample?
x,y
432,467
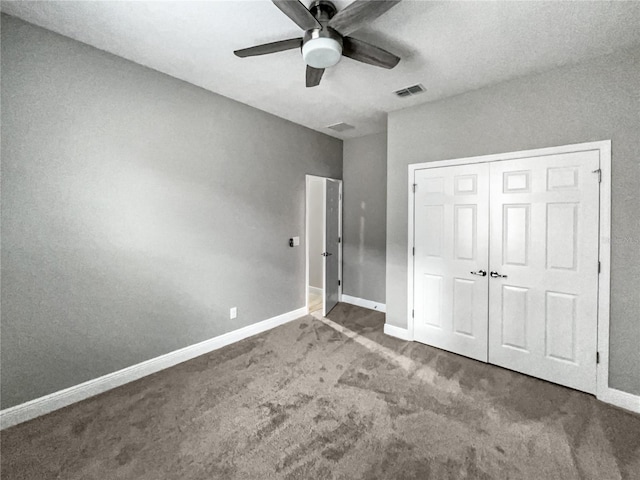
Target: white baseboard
x,y
401,333
62,398
316,290
621,399
361,302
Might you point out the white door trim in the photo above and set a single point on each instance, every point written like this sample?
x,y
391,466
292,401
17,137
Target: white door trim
x,y
306,237
603,391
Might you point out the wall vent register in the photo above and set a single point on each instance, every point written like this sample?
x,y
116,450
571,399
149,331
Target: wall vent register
x,y
340,127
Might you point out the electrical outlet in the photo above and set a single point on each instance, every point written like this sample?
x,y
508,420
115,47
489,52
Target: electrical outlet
x,y
233,312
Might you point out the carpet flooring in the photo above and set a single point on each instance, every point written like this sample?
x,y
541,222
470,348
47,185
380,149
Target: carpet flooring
x,y
329,399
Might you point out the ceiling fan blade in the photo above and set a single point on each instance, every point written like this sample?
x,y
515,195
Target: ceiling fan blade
x,y
358,14
272,47
367,53
313,76
297,12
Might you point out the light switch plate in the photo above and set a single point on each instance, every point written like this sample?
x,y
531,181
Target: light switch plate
x,y
296,241
233,312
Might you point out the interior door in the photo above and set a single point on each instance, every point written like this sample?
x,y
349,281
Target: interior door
x,y
331,255
451,231
544,247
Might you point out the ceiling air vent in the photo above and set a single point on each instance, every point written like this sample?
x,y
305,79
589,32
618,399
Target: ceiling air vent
x,y
412,90
340,127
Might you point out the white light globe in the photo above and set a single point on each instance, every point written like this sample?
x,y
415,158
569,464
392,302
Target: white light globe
x,y
321,52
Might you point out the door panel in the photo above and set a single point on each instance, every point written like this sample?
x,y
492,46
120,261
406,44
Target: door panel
x,y
451,230
331,245
463,302
515,317
515,231
544,239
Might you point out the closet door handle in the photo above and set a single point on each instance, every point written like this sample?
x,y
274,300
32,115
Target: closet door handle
x,y
496,275
480,273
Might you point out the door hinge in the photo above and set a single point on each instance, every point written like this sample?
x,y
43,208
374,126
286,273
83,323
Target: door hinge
x,y
412,313
414,187
599,172
339,283
599,267
413,251
597,357
339,239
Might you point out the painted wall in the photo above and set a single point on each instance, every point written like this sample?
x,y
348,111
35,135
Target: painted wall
x,y
136,210
598,100
316,231
365,217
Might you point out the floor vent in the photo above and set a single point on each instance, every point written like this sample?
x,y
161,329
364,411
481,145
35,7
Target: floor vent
x,y
412,90
340,127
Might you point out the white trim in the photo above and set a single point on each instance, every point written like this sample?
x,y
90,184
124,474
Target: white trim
x,y
306,238
621,399
401,333
361,302
603,392
410,246
604,279
62,398
601,145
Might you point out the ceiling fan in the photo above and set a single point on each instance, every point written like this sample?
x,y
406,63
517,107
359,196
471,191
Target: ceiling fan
x,y
325,38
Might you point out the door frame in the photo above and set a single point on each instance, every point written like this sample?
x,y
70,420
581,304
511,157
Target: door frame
x,y
603,392
308,178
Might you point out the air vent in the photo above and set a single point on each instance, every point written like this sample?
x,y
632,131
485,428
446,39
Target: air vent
x,y
412,90
341,127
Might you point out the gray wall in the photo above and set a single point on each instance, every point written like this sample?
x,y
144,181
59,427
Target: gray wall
x,y
136,210
316,229
598,100
365,216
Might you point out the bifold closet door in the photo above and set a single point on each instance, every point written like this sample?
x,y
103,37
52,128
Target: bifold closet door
x,y
544,243
451,224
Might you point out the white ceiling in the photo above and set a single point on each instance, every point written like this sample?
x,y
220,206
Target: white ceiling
x,y
449,47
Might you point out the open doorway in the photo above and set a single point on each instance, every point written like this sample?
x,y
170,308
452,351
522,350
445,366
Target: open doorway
x,y
324,243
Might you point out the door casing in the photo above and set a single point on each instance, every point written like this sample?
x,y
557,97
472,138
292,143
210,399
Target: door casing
x,y
603,391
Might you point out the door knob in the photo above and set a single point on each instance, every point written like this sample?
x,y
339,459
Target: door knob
x,y
496,275
480,273
326,254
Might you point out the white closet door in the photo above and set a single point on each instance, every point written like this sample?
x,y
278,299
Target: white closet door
x,y
544,240
451,231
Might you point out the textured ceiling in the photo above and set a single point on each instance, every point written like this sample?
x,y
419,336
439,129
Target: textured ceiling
x,y
449,47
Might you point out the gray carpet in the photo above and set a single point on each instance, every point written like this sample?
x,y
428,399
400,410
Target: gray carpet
x,y
307,401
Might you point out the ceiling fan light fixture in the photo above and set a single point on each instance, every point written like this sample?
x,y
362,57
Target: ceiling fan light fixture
x,y
324,41
322,52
